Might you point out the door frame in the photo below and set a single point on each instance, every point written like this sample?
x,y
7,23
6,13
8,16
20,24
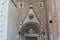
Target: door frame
x,y
31,35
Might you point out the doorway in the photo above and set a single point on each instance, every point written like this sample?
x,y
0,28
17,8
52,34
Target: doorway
x,y
31,31
31,38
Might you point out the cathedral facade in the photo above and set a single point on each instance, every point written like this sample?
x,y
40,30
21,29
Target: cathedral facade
x,y
37,20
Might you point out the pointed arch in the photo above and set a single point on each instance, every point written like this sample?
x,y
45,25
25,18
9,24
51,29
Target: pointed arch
x,y
32,25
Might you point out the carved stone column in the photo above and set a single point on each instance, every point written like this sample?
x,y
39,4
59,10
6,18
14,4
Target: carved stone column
x,y
20,37
40,37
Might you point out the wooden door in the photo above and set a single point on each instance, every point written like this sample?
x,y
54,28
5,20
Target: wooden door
x,y
34,38
31,38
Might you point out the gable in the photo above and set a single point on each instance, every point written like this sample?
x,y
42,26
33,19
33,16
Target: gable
x,y
31,16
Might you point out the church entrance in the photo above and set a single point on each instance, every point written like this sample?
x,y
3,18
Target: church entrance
x,y
31,31
31,38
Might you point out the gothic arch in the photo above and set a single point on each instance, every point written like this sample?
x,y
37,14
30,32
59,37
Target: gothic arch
x,y
33,25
